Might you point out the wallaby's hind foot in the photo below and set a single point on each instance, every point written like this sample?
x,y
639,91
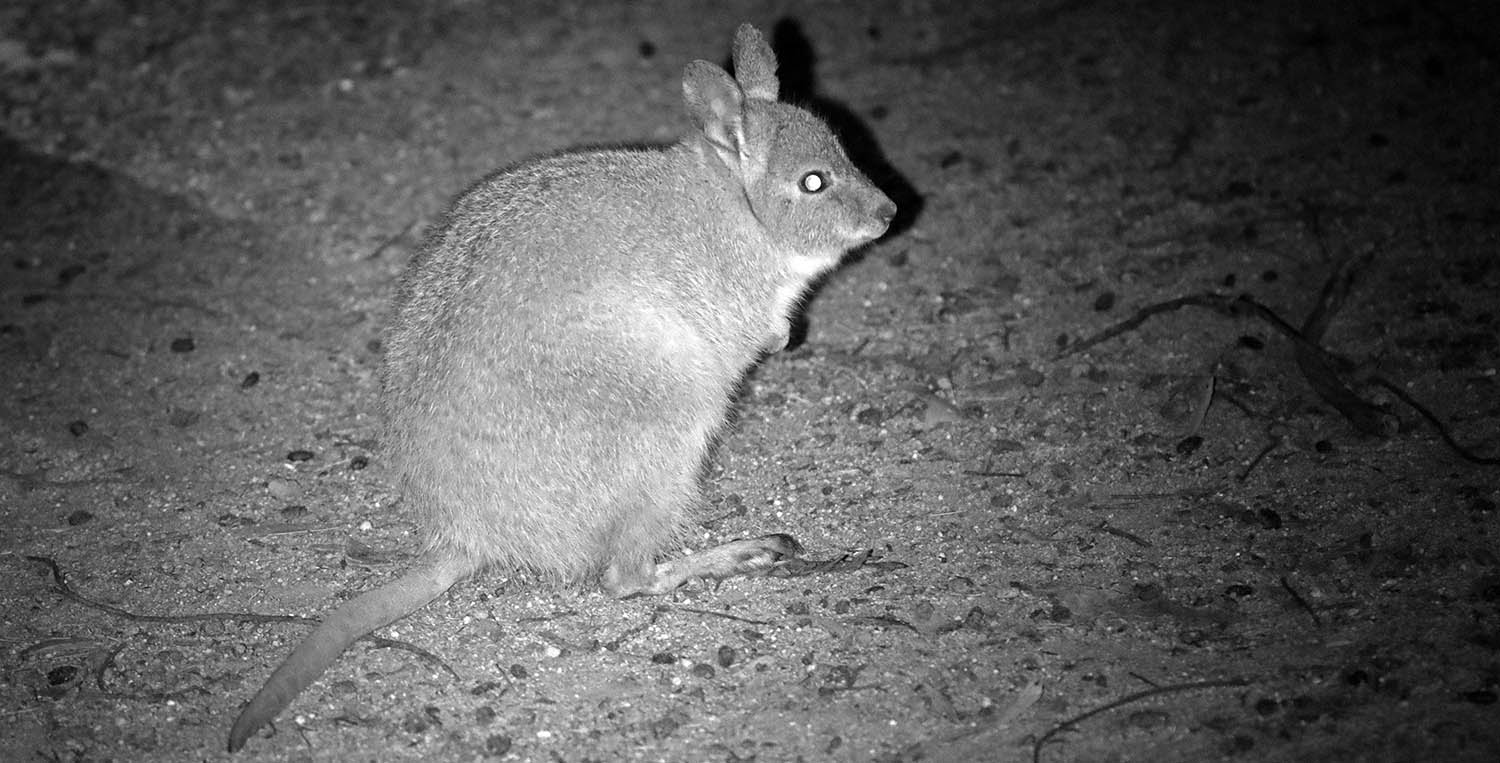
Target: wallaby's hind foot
x,y
746,556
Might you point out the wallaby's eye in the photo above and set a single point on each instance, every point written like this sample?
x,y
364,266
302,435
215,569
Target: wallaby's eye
x,y
813,182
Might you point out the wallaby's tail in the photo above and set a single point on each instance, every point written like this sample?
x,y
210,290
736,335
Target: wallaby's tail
x,y
346,624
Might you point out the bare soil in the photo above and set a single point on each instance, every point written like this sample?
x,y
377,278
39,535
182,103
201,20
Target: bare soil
x,y
1229,547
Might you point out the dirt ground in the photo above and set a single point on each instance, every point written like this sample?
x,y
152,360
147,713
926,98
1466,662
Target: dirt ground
x,y
1207,536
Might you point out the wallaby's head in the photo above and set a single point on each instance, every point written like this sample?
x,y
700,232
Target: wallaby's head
x,y
794,175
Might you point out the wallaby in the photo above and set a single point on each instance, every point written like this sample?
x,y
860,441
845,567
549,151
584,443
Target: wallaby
x,y
566,345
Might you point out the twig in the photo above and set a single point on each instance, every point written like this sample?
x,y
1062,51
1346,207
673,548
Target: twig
x,y
1322,370
880,621
60,582
1331,300
725,615
1254,462
1432,419
614,644
1036,748
1216,302
104,665
163,696
797,567
1319,368
1130,536
1201,405
1301,602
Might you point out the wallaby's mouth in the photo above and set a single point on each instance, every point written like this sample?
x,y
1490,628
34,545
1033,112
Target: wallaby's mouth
x,y
879,221
872,229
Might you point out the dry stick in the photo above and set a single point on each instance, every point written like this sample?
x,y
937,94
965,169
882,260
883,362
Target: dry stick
x,y
725,615
798,567
104,665
1324,371
1286,585
1036,748
1216,302
1335,290
1432,419
1254,462
1201,405
629,633
60,582
1127,535
1323,376
166,696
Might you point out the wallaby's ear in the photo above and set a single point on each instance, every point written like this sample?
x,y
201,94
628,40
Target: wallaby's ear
x,y
717,107
755,64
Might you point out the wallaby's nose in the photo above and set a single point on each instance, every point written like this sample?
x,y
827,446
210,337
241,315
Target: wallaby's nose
x,y
886,212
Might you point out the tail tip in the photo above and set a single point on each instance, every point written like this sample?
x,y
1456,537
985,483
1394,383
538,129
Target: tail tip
x,y
240,733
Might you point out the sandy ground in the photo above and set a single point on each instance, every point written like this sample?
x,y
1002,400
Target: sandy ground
x,y
1233,539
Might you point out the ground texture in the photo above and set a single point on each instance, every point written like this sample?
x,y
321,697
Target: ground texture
x,y
1233,538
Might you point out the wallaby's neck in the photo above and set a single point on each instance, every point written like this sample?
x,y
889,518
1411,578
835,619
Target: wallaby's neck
x,y
730,271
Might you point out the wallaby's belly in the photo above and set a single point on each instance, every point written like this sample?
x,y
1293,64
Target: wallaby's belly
x,y
558,443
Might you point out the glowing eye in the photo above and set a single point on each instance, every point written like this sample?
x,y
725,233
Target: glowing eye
x,y
813,182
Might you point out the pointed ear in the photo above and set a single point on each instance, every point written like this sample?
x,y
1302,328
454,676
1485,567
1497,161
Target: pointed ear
x,y
755,64
717,107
